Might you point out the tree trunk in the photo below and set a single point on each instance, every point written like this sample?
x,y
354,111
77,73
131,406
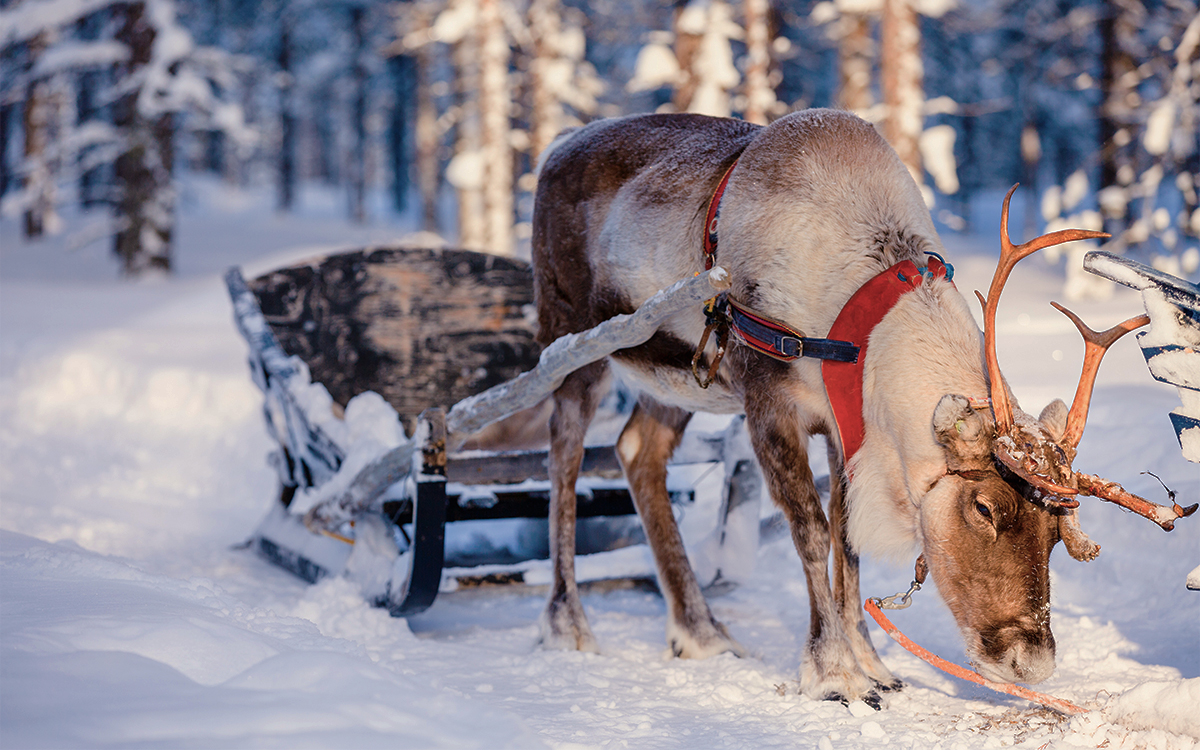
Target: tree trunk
x,y
403,74
902,79
146,200
1031,158
40,215
466,170
287,119
1118,82
326,134
358,156
6,133
495,101
760,95
856,58
687,45
545,22
428,138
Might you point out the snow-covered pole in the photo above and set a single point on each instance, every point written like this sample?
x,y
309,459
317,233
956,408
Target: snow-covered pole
x,y
571,352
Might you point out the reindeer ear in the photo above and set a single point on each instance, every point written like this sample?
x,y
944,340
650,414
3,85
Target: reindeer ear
x,y
1054,419
962,431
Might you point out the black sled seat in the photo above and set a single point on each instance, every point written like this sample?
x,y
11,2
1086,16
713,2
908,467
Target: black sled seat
x,y
423,329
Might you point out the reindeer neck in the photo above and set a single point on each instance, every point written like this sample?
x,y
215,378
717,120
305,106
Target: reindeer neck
x,y
926,347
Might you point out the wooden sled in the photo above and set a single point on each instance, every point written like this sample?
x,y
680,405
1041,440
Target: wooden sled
x,y
424,329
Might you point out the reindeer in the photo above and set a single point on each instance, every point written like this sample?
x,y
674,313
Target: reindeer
x,y
929,452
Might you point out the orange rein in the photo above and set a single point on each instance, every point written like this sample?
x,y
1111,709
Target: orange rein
x,y
1058,704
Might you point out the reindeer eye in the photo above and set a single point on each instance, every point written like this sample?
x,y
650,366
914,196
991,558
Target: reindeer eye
x,y
983,510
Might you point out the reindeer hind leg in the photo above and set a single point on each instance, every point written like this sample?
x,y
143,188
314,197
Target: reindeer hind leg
x,y
563,623
645,446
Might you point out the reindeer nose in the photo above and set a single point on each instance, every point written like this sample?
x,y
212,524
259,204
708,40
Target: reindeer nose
x,y
1027,657
1031,663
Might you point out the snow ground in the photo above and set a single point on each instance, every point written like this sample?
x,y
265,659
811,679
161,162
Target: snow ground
x,y
133,462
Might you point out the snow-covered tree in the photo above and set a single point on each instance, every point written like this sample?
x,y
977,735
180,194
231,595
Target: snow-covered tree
x,y
856,57
707,74
495,106
563,86
158,74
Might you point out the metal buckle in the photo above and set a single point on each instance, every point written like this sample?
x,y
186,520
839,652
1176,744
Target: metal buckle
x,y
799,346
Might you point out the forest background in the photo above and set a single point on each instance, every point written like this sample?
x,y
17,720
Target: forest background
x,y
443,106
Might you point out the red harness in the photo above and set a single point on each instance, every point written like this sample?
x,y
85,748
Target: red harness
x,y
843,352
753,329
862,312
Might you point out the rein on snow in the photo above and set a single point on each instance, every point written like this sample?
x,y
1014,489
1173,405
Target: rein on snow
x,y
875,606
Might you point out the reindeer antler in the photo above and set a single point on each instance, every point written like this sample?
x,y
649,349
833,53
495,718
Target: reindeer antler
x,y
1032,457
1096,345
1010,255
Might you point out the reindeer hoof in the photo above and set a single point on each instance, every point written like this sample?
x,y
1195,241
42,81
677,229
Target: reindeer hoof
x,y
564,627
709,641
895,686
871,700
575,641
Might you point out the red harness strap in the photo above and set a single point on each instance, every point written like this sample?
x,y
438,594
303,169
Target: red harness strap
x,y
858,318
712,217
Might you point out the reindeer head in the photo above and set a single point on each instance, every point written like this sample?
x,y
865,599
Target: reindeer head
x,y
1010,494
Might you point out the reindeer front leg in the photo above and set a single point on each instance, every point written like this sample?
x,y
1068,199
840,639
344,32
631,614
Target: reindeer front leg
x,y
646,444
845,580
563,623
830,670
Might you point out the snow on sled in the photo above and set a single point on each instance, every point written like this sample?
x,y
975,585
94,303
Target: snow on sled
x,y
358,355
1172,344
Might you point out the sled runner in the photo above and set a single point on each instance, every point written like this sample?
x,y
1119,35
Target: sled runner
x,y
350,348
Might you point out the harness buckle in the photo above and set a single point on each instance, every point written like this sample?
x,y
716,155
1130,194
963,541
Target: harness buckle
x,y
796,351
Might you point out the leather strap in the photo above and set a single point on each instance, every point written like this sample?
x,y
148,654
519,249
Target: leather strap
x,y
781,341
712,217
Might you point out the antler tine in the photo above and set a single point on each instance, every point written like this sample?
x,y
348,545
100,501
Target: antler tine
x,y
1114,493
1010,255
1096,345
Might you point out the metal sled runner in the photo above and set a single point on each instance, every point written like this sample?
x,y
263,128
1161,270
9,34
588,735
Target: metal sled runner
x,y
423,329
